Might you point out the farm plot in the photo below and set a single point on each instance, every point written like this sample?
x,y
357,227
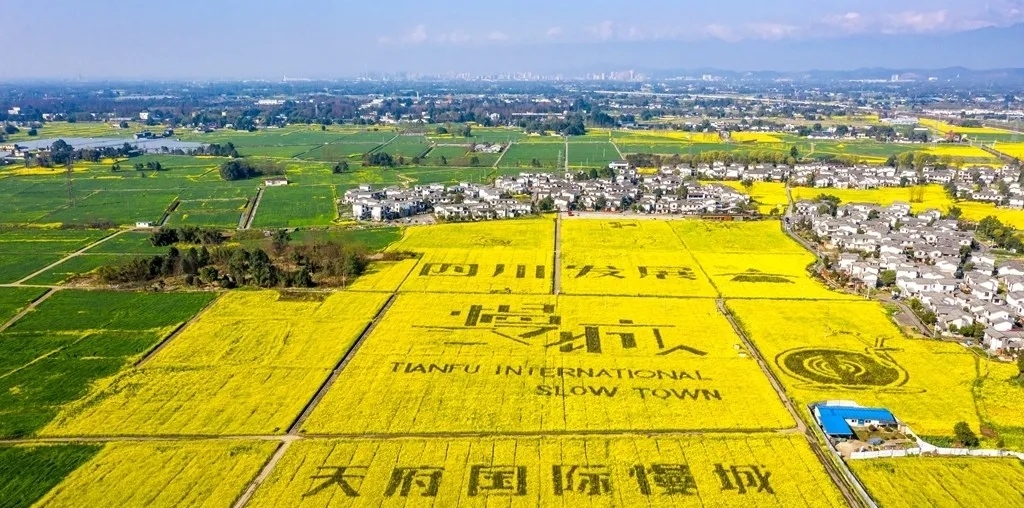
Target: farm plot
x,y
296,206
28,472
592,154
342,151
851,350
628,257
500,256
75,338
1000,395
704,471
515,364
247,366
1015,150
27,200
933,482
12,300
931,196
132,242
407,147
154,474
74,267
768,195
116,207
24,251
530,154
752,260
224,213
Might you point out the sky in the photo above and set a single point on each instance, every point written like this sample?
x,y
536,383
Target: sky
x,y
239,39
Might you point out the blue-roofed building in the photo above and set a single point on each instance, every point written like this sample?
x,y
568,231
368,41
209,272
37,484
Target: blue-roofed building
x,y
839,420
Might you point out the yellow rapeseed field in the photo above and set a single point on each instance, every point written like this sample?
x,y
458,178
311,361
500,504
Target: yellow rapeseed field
x,y
628,257
482,257
752,260
852,351
934,196
1012,149
699,471
1000,399
933,482
517,363
384,276
756,137
163,474
965,151
944,128
247,366
768,195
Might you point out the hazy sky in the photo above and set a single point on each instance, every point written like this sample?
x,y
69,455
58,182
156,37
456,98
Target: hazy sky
x,y
336,38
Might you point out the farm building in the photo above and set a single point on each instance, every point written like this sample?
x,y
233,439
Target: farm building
x,y
276,182
839,421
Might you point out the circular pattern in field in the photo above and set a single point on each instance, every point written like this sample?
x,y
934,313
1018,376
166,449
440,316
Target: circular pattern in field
x,y
837,367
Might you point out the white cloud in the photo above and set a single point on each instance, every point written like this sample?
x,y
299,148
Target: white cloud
x,y
418,35
497,36
603,31
457,37
554,31
770,31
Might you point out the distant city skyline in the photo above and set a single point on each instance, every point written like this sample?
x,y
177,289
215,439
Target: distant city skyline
x,y
232,39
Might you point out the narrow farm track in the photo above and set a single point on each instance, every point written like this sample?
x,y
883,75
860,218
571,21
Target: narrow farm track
x,y
69,256
28,309
838,478
255,208
297,426
556,284
502,156
264,472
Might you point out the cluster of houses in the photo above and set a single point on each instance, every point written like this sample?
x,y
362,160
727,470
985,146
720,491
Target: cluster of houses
x,y
931,259
670,191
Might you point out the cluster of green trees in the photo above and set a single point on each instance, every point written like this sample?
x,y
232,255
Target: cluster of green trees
x,y
1003,235
281,264
341,167
745,157
569,126
185,234
380,159
241,169
594,174
218,150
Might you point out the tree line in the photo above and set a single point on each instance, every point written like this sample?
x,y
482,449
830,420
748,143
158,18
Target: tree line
x,y
207,262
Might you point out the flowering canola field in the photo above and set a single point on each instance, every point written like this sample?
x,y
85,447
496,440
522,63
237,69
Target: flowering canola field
x,y
628,257
768,470
827,350
501,363
162,474
490,257
752,260
943,482
247,365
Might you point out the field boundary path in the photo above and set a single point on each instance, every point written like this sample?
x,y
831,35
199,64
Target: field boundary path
x,y
839,477
502,156
297,425
556,269
177,331
255,207
77,253
28,308
264,472
616,146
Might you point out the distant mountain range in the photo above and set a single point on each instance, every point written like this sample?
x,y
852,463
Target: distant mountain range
x,y
875,56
